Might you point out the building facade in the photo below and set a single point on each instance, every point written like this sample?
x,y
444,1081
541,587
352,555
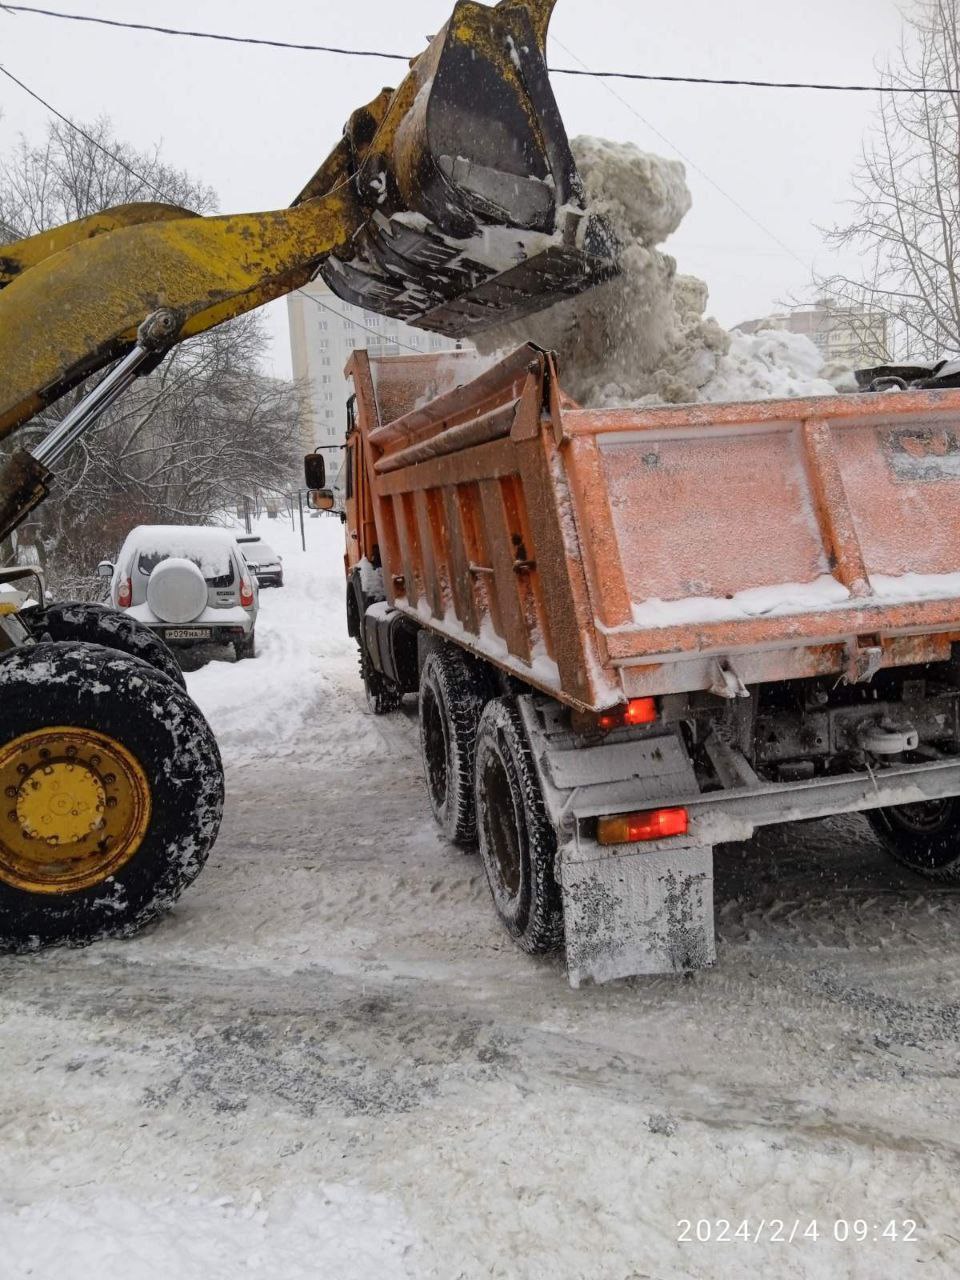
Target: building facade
x,y
845,335
324,333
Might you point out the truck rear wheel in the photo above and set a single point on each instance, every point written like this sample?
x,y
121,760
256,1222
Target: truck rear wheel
x,y
924,837
450,710
518,844
92,623
111,793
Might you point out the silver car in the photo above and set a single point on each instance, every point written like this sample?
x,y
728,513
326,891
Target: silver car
x,y
266,564
188,583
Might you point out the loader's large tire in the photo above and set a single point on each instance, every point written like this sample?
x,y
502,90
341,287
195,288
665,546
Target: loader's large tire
x,y
111,793
924,837
450,707
100,624
518,844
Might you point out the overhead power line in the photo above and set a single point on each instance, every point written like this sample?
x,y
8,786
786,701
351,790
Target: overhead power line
x,y
83,133
141,177
339,314
722,82
772,235
146,181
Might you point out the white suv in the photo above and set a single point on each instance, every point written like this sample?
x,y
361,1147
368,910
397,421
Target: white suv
x,y
190,584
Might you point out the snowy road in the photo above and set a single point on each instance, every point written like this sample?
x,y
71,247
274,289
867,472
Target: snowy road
x,y
331,1062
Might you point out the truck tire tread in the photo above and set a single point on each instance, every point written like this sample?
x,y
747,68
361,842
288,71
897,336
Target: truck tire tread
x,y
532,911
934,854
451,703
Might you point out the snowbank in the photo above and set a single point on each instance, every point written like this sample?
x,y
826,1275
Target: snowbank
x,y
645,338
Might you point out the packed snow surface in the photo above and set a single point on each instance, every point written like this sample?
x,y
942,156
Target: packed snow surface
x,y
645,338
331,1063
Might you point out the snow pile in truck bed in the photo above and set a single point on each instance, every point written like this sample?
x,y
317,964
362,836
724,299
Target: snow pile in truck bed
x,y
645,338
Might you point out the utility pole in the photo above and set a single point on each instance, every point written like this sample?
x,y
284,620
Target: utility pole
x,y
303,532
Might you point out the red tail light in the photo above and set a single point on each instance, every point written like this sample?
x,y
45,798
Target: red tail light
x,y
637,711
631,828
125,594
246,593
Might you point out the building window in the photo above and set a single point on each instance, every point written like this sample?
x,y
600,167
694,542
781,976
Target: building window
x,y
324,377
325,360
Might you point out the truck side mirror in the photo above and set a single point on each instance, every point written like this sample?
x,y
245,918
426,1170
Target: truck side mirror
x,y
320,501
105,569
315,471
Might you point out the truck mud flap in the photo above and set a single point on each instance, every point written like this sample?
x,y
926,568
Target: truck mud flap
x,y
632,910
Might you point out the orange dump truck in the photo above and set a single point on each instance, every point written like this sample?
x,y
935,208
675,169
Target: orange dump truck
x,y
636,634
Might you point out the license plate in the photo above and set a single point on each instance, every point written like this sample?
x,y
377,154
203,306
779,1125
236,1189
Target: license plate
x,y
187,633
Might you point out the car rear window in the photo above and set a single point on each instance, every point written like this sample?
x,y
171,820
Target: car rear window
x,y
216,565
258,553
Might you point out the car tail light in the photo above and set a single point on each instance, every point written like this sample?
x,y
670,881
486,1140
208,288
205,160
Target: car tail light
x,y
246,592
125,594
636,711
632,828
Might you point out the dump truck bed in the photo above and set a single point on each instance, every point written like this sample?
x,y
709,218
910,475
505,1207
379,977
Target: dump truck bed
x,y
603,555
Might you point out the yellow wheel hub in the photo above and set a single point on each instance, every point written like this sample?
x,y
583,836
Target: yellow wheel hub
x,y
74,808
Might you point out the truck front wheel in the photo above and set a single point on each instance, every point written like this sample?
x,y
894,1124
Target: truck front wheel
x,y
111,792
924,837
518,844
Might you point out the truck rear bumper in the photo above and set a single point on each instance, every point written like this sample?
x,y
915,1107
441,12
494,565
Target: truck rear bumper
x,y
647,908
734,814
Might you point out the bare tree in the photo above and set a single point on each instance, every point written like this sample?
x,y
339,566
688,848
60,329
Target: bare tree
x,y
905,227
182,444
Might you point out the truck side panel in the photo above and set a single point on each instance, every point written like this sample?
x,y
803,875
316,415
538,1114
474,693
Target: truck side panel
x,y
470,530
605,555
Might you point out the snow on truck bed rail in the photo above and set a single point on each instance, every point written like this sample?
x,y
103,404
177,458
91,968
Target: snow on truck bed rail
x,y
823,594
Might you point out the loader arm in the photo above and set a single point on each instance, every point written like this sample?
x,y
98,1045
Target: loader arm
x,y
452,203
88,300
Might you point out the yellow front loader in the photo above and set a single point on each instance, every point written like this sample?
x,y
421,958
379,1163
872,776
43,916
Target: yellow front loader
x,y
452,203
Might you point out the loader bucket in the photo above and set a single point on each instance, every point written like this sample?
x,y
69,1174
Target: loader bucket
x,y
475,212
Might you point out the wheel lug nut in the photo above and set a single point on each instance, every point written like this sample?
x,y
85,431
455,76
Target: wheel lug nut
x,y
10,792
109,779
23,769
111,802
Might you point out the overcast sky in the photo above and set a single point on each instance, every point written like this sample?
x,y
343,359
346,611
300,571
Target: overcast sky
x,y
255,123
